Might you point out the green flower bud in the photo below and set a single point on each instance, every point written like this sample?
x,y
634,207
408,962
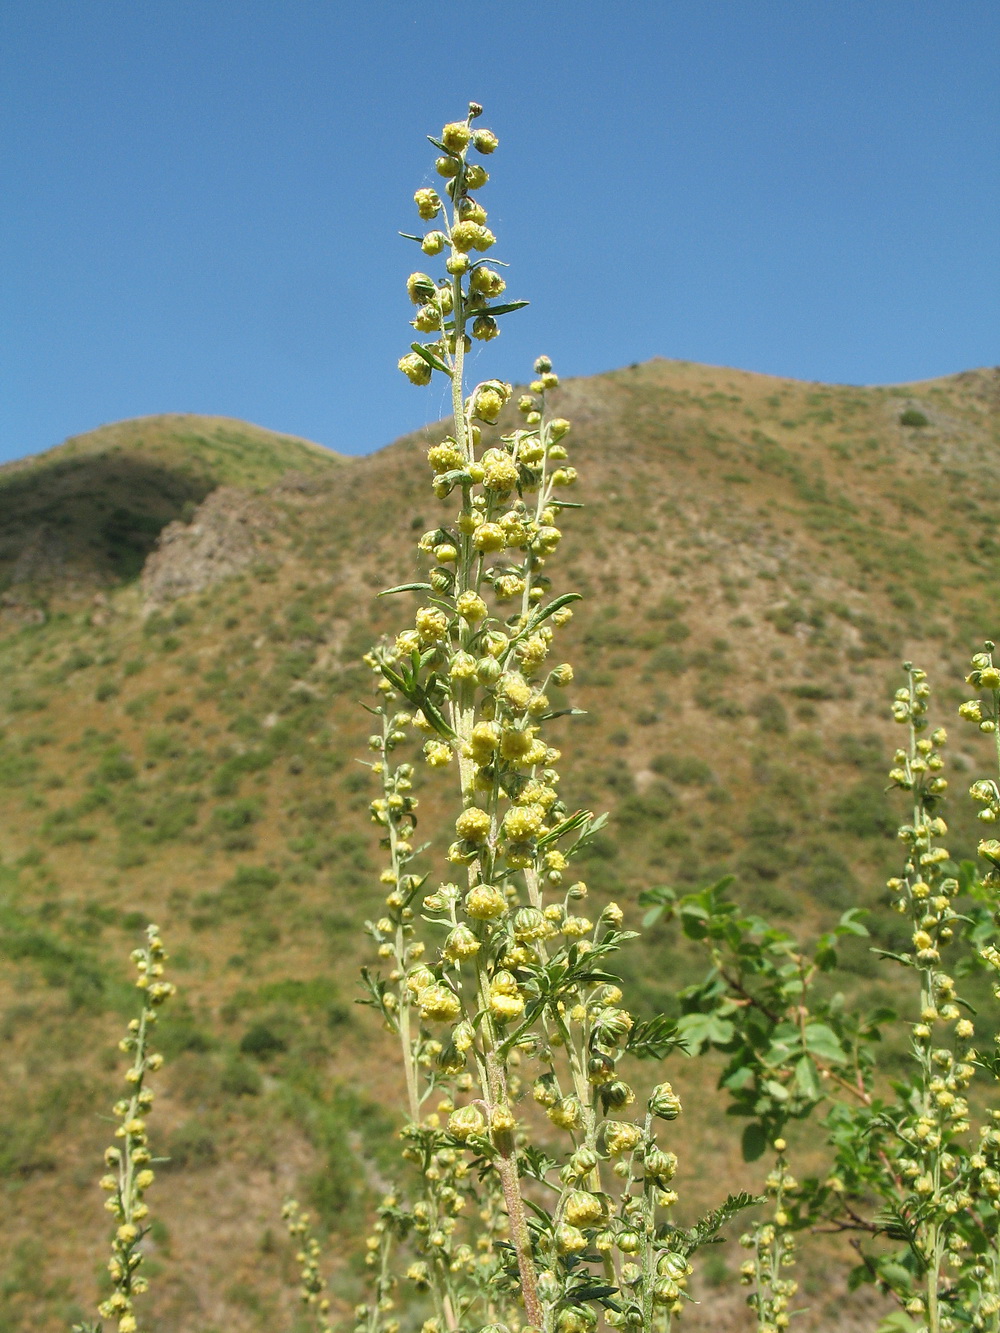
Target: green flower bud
x,y
485,141
583,1209
530,923
664,1102
660,1165
485,328
448,167
415,368
615,1095
466,1122
420,288
488,671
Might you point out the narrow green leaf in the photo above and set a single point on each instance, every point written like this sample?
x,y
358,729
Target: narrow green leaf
x,y
405,587
436,718
501,309
551,609
427,355
575,821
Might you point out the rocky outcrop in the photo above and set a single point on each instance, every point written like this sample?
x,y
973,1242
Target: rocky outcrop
x,y
223,538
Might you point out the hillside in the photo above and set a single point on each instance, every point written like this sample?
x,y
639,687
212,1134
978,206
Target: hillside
x,y
90,509
179,725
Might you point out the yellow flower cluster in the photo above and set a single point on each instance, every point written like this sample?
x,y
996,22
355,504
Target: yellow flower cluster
x,y
457,308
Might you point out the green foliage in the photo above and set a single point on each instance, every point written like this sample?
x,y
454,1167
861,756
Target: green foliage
x,y
864,811
192,1146
912,416
233,822
261,1041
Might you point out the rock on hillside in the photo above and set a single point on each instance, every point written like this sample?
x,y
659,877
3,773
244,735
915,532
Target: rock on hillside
x,y
226,535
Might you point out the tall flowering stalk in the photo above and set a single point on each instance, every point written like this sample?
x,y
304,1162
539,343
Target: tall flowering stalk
x,y
913,1153
129,1160
499,981
919,1142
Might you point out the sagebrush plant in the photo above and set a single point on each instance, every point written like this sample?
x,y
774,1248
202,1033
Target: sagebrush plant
x,y
499,982
129,1161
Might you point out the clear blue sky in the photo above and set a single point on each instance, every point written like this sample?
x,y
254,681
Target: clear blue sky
x,y
201,197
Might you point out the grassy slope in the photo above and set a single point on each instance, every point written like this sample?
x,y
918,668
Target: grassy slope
x,y
759,554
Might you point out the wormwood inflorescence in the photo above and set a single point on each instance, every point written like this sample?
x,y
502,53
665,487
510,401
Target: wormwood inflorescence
x,y
499,980
129,1160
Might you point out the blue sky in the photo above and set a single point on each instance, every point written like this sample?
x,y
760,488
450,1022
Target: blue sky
x,y
200,200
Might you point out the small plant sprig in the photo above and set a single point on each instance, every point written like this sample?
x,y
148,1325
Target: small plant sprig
x,y
983,1270
129,1161
502,983
313,1291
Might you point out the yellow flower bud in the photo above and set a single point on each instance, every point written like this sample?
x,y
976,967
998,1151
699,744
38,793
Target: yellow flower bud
x,y
485,902
489,537
445,457
500,475
471,607
466,1122
428,203
565,1113
583,1208
464,236
523,822
427,320
456,135
473,824
460,944
415,368
431,623
487,282
420,288
439,1004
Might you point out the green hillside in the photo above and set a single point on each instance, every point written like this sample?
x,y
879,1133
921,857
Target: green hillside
x,y
91,508
757,554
